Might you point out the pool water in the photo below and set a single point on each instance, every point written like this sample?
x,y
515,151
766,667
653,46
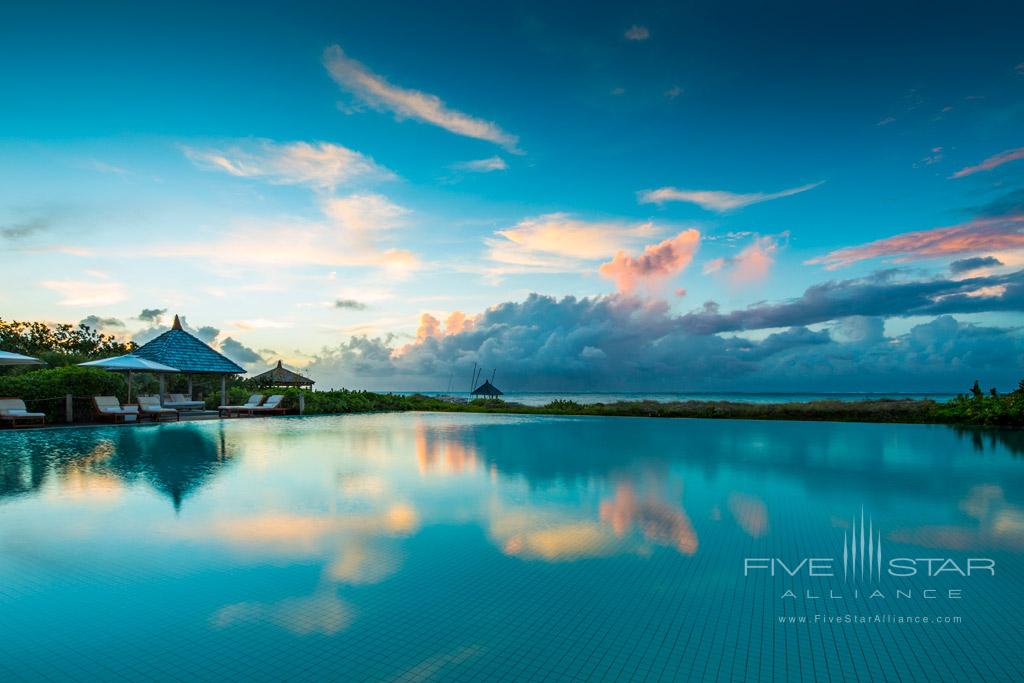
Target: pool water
x,y
455,547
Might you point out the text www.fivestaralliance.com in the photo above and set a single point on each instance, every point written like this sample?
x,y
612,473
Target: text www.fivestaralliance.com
x,y
896,619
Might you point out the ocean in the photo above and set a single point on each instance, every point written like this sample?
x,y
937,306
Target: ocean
x,y
539,398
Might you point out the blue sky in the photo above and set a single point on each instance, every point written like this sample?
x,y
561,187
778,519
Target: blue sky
x,y
295,178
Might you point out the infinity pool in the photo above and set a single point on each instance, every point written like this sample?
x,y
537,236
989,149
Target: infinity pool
x,y
455,547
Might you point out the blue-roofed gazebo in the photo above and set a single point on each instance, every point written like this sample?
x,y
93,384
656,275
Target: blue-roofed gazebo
x,y
190,355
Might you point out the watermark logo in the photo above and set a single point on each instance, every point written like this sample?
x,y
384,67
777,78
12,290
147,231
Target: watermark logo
x,y
862,563
863,552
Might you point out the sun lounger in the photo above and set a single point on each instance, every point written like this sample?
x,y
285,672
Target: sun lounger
x,y
149,406
13,410
254,401
271,406
109,408
182,402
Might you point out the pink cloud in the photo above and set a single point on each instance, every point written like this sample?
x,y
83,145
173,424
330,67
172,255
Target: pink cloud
x,y
429,327
753,263
657,263
992,162
750,265
980,235
457,323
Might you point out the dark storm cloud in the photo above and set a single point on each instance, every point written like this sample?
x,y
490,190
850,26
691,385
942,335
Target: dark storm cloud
x,y
615,342
151,315
100,324
239,352
25,228
207,333
969,264
1009,204
882,294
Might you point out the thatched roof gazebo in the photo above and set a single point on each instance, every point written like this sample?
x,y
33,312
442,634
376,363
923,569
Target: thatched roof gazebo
x,y
281,376
488,389
190,355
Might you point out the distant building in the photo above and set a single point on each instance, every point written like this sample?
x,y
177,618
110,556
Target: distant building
x,y
488,389
281,376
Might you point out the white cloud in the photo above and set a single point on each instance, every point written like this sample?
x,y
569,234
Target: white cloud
x,y
494,163
637,32
288,242
717,200
364,212
559,242
378,92
99,292
260,324
322,165
345,238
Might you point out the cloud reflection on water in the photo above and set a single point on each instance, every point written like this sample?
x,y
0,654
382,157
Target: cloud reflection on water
x,y
346,498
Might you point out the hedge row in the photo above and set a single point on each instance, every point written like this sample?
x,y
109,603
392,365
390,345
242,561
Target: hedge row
x,y
44,390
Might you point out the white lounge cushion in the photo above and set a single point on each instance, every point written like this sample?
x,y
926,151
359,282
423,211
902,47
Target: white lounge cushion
x,y
151,404
20,413
11,404
253,401
120,410
272,403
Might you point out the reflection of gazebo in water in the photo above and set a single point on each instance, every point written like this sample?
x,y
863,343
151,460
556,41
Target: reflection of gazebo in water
x,y
487,389
190,355
176,462
281,376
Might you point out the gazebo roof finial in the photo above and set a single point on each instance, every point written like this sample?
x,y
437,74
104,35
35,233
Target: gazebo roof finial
x,y
177,323
279,363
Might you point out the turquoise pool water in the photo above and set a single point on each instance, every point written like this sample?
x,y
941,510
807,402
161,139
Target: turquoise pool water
x,y
459,547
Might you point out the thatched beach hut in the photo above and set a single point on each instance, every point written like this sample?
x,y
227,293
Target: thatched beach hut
x,y
281,376
487,389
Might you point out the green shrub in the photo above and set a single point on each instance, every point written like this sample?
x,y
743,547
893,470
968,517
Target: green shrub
x,y
562,405
979,409
44,390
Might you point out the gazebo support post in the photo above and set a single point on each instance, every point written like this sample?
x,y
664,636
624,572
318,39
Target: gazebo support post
x,y
223,390
163,387
190,386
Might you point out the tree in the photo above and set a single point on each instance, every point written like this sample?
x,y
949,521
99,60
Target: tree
x,y
60,344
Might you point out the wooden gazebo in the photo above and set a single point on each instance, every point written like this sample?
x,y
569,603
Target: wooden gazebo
x,y
190,355
281,376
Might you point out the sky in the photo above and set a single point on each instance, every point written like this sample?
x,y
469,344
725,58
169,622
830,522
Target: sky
x,y
609,197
